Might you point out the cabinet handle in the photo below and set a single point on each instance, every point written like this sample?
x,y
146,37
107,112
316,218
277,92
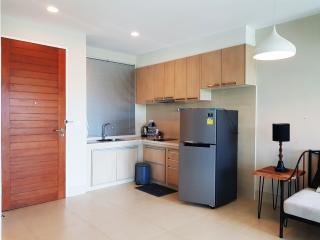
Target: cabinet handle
x,y
229,83
213,85
168,97
180,99
192,98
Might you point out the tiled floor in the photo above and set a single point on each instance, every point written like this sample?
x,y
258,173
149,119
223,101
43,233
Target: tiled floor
x,y
122,212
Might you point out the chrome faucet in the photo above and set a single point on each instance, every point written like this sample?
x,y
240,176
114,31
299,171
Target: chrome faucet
x,y
104,132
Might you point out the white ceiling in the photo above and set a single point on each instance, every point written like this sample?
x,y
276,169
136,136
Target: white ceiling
x,y
162,23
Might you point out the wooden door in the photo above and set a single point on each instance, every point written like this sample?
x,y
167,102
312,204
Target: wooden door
x,y
169,79
180,79
158,86
193,77
211,69
233,66
33,109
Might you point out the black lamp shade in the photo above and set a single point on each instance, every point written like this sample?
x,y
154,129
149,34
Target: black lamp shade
x,y
281,132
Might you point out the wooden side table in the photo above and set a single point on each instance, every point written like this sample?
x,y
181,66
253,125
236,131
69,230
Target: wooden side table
x,y
269,172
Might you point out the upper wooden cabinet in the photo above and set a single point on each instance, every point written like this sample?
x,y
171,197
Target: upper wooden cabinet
x,y
193,77
238,66
233,66
140,85
169,79
144,85
180,79
159,81
211,69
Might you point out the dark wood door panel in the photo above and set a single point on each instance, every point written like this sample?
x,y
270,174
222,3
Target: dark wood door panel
x,y
33,82
33,89
33,160
36,171
33,103
31,145
24,187
33,67
35,117
33,108
32,152
34,124
16,58
33,96
31,74
34,53
29,131
33,138
34,46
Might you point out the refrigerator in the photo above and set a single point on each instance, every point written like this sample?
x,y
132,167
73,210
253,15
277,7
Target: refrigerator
x,y
208,156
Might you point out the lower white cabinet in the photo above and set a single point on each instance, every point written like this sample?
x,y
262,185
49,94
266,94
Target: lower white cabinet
x,y
112,165
126,160
104,165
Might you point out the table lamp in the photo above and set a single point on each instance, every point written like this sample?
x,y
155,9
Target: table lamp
x,y
280,133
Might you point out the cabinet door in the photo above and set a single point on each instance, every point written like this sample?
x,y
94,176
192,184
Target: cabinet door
x,y
233,66
149,81
140,86
169,79
172,167
180,79
158,86
193,77
158,172
103,166
172,176
126,160
211,69
155,155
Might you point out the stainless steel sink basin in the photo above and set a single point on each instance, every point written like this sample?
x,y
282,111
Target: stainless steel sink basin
x,y
110,140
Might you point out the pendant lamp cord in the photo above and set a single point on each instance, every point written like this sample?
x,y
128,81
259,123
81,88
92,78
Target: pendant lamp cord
x,y
274,12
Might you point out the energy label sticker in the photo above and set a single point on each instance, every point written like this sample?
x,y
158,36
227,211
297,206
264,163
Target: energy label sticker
x,y
209,121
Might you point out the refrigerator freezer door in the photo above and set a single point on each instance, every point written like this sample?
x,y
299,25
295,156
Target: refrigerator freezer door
x,y
197,174
198,125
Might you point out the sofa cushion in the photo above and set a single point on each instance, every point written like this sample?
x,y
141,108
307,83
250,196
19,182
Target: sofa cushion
x,y
304,204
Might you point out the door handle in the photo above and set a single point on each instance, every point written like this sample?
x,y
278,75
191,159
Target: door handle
x,y
61,131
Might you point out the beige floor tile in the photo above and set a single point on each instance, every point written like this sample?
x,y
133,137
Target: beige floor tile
x,y
122,212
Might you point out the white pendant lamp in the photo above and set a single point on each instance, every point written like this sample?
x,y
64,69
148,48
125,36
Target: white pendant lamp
x,y
274,47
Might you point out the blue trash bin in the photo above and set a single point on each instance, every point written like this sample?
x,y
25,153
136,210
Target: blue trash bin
x,y
142,173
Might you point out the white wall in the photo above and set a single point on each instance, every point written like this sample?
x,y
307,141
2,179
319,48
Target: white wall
x,y
75,45
210,43
108,55
288,91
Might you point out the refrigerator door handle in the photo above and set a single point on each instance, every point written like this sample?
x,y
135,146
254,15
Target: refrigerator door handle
x,y
196,144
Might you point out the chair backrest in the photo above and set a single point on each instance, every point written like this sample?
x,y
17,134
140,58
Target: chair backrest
x,y
313,165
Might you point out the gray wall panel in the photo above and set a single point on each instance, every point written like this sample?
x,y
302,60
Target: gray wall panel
x,y
110,97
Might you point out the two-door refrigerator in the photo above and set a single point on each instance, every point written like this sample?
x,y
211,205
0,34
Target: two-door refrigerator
x,y
208,156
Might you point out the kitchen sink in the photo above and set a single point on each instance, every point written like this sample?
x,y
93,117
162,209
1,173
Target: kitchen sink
x,y
110,140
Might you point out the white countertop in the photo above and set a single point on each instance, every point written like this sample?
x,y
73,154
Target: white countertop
x,y
130,141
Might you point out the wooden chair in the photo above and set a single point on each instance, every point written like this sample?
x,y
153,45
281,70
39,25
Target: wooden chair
x,y
304,205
